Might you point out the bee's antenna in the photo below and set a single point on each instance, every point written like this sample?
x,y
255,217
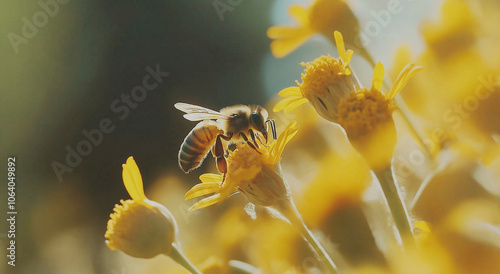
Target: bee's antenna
x,y
273,128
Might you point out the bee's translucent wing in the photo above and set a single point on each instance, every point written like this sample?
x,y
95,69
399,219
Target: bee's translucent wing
x,y
204,116
189,108
197,113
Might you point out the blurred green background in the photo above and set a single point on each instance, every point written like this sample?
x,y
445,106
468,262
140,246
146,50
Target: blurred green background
x,y
63,81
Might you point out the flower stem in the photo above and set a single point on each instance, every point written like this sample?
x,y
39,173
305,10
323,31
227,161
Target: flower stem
x,y
289,210
396,206
177,255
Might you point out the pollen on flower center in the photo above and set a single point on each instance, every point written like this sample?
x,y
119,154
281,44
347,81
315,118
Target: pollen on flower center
x,y
115,224
325,81
244,157
361,112
320,74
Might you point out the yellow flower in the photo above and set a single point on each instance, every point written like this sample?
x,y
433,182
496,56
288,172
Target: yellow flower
x,y
465,240
140,227
332,183
444,190
429,256
327,194
257,174
457,29
453,62
323,16
471,233
366,116
267,244
324,82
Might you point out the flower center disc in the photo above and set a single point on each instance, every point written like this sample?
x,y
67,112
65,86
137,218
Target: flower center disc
x,y
360,112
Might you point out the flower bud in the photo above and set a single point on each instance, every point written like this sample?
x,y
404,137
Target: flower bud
x,y
140,227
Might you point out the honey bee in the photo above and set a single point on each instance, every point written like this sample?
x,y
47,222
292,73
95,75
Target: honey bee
x,y
232,123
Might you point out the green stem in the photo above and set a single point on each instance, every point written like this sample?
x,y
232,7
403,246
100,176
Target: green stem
x,y
289,210
396,206
177,255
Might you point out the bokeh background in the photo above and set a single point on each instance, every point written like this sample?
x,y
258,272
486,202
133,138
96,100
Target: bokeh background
x,y
64,79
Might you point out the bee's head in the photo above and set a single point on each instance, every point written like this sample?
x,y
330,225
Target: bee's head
x,y
258,118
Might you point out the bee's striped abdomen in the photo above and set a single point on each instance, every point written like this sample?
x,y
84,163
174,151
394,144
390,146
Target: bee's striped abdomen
x,y
198,142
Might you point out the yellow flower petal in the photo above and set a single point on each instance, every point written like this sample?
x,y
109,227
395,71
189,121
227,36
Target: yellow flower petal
x,y
378,76
283,139
406,74
299,15
211,178
422,226
348,57
282,47
322,17
206,202
295,104
339,40
202,189
281,105
290,91
282,32
280,149
132,180
293,99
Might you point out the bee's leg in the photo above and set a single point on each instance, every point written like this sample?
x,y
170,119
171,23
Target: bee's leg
x,y
252,135
273,128
248,142
227,138
218,152
260,138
